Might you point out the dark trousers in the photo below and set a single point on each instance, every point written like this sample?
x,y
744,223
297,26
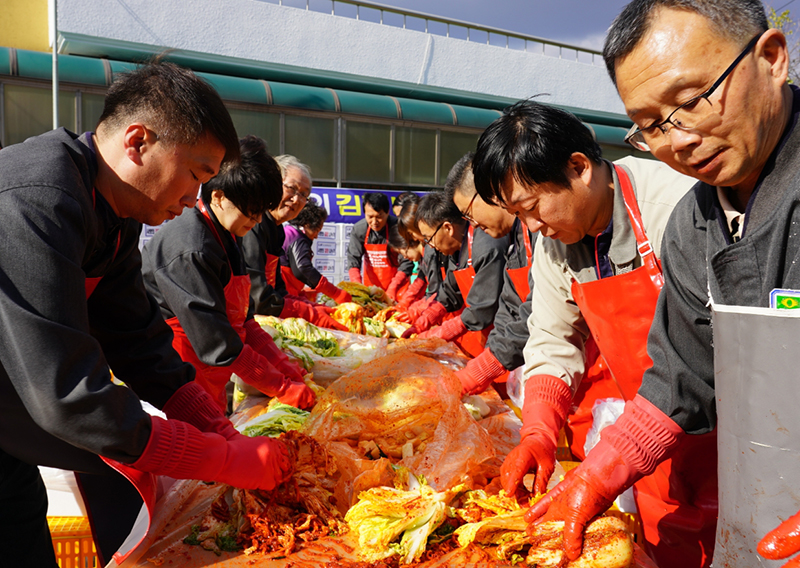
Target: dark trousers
x,y
24,536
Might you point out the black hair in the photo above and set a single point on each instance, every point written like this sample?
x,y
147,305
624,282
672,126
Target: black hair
x,y
405,197
311,215
378,201
736,20
459,180
253,184
399,242
176,104
533,143
407,220
436,208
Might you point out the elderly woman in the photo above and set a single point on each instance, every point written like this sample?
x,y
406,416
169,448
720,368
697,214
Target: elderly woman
x,y
262,248
297,268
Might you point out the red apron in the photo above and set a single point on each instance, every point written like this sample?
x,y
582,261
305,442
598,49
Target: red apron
x,y
145,483
237,299
378,271
519,276
677,503
271,269
470,342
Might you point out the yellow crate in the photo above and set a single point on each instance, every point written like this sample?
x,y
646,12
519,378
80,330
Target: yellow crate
x,y
72,542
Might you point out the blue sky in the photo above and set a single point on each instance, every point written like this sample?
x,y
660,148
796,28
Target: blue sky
x,y
581,22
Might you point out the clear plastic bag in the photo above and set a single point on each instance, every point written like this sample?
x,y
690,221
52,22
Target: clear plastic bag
x,y
404,408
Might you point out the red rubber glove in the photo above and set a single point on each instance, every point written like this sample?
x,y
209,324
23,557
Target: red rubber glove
x,y
255,370
179,450
414,292
479,373
417,308
783,541
397,282
449,330
313,313
629,449
192,404
433,315
262,343
355,275
334,292
545,407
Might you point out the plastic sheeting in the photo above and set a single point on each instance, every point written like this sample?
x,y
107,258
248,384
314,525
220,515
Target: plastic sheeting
x,y
756,382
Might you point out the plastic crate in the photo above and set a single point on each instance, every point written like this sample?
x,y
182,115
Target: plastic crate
x,y
72,541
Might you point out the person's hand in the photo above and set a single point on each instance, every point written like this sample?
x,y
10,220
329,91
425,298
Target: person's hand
x,y
355,275
433,315
783,541
479,373
263,344
192,404
179,450
546,403
629,449
314,313
322,318
535,453
449,330
416,309
334,292
573,501
412,293
409,332
430,333
299,395
397,282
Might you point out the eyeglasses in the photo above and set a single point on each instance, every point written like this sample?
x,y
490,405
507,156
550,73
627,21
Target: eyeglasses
x,y
467,213
690,115
294,191
429,240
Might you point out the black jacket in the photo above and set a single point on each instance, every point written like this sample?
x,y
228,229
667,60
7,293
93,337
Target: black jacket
x,y
488,261
507,340
186,270
58,406
266,237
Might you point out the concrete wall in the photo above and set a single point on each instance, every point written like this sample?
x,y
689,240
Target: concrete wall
x,y
261,31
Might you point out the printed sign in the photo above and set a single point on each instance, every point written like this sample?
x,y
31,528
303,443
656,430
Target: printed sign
x,y
347,205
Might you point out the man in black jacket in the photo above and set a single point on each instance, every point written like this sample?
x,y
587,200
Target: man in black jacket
x,y
705,84
73,307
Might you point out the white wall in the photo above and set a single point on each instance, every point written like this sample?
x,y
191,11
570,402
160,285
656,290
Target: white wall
x,y
256,30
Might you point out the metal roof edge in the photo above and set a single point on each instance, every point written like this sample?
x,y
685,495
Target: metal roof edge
x,y
92,46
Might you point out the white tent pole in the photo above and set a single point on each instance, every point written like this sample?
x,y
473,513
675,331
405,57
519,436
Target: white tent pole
x,y
54,44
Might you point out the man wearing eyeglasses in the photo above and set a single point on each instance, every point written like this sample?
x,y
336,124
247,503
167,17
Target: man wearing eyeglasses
x,y
263,245
594,272
474,267
705,84
506,340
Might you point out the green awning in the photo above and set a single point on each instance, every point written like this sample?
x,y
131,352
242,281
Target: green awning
x,y
408,103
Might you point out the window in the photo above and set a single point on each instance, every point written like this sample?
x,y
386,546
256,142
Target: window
x,y
368,156
415,156
452,147
265,125
91,109
313,141
28,111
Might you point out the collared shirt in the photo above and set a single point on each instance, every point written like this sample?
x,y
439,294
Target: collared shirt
x,y
734,218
